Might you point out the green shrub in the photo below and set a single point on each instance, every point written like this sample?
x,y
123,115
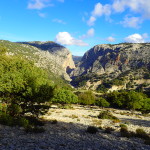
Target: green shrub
x,y
86,98
3,107
6,119
34,121
23,122
92,130
106,115
123,126
63,96
14,110
101,102
142,134
23,86
124,132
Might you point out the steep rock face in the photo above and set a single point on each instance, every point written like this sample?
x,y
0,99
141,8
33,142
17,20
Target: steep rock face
x,y
55,55
76,59
107,59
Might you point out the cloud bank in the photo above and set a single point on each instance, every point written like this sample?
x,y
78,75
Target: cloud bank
x,y
65,38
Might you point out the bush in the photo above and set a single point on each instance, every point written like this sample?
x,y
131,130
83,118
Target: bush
x,y
106,115
123,126
108,130
63,96
6,119
34,121
142,134
101,102
124,132
92,130
23,86
23,122
86,98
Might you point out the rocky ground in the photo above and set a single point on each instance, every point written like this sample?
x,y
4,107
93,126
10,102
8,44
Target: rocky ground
x,y
69,132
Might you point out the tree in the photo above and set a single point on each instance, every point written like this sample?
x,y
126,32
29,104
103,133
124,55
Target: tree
x,y
101,102
63,96
23,87
146,106
135,100
86,98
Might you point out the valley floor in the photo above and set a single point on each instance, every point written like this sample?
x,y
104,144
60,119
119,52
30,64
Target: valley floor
x,y
69,133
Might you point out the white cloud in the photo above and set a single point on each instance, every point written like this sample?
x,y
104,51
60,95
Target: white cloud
x,y
137,6
99,10
110,39
90,33
59,21
39,4
134,38
119,5
65,38
132,22
91,21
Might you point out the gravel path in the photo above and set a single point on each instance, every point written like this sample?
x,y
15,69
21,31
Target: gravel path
x,y
70,133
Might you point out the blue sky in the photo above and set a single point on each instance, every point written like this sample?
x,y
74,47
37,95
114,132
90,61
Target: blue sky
x,y
76,24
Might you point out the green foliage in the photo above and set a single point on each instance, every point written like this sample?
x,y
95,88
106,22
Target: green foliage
x,y
6,119
142,134
123,126
24,88
106,115
101,102
63,96
146,106
117,82
128,99
3,49
86,98
102,88
124,132
135,100
14,110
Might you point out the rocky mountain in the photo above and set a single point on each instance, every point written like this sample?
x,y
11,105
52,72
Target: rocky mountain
x,y
76,59
113,61
49,55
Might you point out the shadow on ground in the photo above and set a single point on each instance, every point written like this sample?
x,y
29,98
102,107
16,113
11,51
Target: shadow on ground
x,y
65,136
139,122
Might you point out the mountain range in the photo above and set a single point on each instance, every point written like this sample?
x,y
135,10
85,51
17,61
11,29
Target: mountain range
x,y
124,65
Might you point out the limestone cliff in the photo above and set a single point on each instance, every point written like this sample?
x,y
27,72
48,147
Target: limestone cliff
x,y
107,59
55,55
113,67
56,59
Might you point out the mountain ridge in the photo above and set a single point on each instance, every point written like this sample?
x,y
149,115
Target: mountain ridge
x,y
105,63
48,55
